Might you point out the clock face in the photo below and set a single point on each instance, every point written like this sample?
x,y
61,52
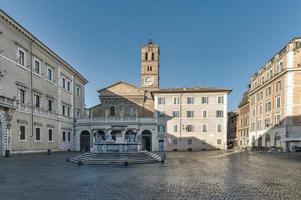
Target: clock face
x,y
149,81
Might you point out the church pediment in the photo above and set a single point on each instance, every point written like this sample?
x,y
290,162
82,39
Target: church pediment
x,y
121,89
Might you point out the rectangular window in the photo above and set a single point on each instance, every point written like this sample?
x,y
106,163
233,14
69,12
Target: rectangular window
x,y
161,101
22,96
220,99
176,100
63,110
278,86
267,122
36,68
219,141
260,109
37,101
68,86
64,83
259,124
69,136
189,141
22,133
21,57
49,105
190,100
50,135
49,74
38,134
204,128
190,114
278,102
189,128
205,100
205,113
279,67
68,111
78,91
175,114
175,128
219,113
268,91
161,128
175,141
268,106
277,119
219,128
160,114
64,136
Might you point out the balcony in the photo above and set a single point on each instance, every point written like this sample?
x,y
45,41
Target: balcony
x,y
115,120
7,102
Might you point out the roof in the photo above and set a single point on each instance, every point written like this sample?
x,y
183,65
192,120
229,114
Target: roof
x,y
117,83
19,27
244,100
192,90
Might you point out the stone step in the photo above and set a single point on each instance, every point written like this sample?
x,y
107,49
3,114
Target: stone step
x,y
116,158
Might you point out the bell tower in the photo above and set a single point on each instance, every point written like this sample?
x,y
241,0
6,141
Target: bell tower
x,y
150,66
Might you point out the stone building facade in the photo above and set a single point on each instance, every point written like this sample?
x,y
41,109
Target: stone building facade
x,y
40,93
274,98
232,130
243,122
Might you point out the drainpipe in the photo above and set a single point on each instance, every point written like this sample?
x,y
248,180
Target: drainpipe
x,y
31,91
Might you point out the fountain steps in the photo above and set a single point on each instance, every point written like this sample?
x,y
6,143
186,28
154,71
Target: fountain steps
x,y
116,158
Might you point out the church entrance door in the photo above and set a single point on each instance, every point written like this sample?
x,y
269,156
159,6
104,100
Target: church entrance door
x,y
85,141
146,140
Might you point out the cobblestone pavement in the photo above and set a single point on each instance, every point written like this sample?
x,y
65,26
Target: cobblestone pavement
x,y
186,175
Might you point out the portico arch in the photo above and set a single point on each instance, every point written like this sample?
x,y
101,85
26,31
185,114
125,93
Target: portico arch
x,y
146,140
268,141
101,134
85,141
259,142
130,136
277,140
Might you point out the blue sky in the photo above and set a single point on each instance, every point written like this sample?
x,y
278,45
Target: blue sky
x,y
202,43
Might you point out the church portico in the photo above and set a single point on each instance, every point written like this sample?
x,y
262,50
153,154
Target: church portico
x,y
109,135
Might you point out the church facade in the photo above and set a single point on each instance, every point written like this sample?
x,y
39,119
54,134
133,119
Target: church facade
x,y
139,118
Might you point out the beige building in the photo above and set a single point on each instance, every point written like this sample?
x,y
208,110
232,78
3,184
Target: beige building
x,y
243,122
192,118
274,96
40,93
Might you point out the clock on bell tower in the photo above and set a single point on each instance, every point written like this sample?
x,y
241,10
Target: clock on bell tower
x,y
150,66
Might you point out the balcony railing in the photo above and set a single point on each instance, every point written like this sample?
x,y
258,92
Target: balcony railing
x,y
116,119
7,102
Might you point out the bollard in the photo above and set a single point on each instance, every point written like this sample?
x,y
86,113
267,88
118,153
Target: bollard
x,y
48,151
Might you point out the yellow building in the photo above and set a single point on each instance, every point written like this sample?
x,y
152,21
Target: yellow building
x,y
274,97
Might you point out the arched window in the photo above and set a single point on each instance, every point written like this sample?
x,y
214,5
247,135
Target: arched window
x,y
277,140
146,56
153,56
112,111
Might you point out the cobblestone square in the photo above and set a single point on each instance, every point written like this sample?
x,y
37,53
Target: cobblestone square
x,y
185,175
